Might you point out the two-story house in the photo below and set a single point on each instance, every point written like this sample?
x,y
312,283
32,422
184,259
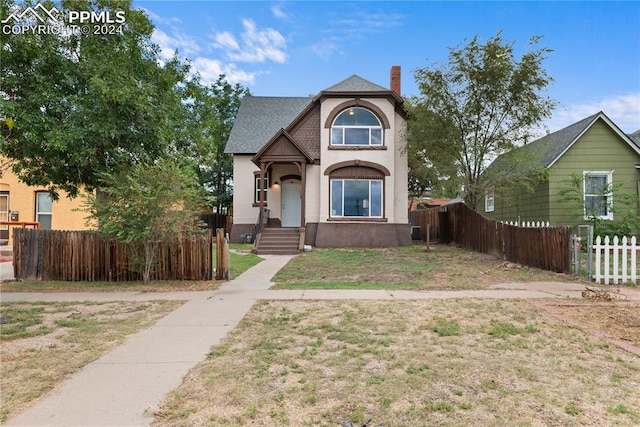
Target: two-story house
x,y
328,169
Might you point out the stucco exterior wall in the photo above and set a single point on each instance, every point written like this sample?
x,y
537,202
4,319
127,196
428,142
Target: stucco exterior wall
x,y
243,188
401,173
395,188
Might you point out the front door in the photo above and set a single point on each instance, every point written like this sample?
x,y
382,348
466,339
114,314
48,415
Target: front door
x,y
291,204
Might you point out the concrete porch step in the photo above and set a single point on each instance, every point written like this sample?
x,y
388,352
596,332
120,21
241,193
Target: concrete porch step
x,y
279,241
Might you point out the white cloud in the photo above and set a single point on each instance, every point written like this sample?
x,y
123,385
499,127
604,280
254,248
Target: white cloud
x,y
226,40
176,41
624,110
157,19
353,27
278,12
370,22
326,48
257,44
210,69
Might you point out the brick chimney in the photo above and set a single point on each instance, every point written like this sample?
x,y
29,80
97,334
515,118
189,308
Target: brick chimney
x,y
395,79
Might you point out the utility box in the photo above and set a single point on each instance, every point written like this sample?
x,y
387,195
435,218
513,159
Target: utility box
x,y
415,233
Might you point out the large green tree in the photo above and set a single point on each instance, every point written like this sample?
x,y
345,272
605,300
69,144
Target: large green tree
x,y
210,113
482,103
146,205
82,105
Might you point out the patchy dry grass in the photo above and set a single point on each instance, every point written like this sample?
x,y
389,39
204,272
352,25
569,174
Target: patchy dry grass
x,y
407,363
43,343
409,267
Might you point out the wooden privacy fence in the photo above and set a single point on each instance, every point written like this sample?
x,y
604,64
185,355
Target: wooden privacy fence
x,y
547,248
86,256
428,221
215,221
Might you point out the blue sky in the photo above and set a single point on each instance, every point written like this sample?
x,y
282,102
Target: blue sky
x,y
299,48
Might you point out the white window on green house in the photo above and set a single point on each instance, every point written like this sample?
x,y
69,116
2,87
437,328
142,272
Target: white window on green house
x,y
44,210
356,198
598,198
356,126
489,202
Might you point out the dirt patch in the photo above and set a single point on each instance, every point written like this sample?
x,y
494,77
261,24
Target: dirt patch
x,y
606,316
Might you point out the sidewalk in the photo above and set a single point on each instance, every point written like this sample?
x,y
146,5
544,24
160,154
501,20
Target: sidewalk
x,y
125,386
6,271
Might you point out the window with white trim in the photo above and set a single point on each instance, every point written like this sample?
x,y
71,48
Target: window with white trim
x,y
598,198
256,189
4,209
356,198
489,202
356,126
44,209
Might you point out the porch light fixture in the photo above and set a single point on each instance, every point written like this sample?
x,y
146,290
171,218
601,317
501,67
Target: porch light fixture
x,y
351,111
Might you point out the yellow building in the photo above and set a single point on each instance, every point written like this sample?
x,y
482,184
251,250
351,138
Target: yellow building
x,y
22,203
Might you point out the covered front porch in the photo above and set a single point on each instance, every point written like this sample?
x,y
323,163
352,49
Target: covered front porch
x,y
281,186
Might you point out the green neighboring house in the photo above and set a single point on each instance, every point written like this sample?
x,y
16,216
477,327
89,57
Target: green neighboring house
x,y
594,148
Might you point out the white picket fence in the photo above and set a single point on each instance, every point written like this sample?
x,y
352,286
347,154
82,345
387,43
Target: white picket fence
x,y
528,224
618,259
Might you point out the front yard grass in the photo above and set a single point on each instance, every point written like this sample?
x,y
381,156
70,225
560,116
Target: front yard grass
x,y
43,343
407,363
445,267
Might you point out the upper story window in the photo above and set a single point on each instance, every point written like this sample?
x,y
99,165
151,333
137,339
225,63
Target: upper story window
x,y
356,126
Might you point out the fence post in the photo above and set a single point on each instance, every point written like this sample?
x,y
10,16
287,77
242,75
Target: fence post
x,y
598,250
576,254
590,253
616,264
607,249
625,248
222,256
634,260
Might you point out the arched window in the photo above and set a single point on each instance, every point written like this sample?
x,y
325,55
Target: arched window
x,y
356,126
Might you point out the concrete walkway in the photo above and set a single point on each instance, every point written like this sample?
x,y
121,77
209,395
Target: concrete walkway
x,y
6,271
125,386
